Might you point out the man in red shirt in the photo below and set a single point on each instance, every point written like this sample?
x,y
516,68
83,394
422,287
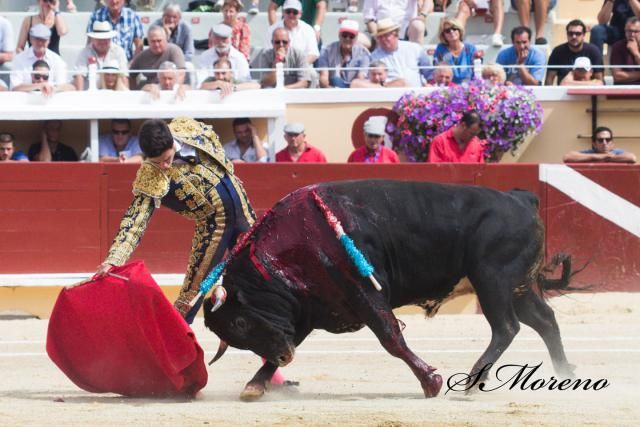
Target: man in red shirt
x,y
297,149
373,150
460,143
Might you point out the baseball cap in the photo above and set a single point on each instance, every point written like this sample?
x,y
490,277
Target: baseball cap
x,y
349,26
40,31
292,4
375,125
294,127
582,62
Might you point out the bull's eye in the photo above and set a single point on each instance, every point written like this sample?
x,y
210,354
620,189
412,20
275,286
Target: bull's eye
x,y
241,324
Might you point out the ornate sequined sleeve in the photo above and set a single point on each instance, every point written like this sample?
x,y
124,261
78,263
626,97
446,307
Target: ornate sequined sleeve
x,y
132,227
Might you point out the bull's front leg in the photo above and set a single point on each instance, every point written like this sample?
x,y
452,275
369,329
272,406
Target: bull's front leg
x,y
256,387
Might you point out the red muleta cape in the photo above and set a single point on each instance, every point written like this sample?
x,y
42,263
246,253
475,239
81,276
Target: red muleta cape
x,y
125,337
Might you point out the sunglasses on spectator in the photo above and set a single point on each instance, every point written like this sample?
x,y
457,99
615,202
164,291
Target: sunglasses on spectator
x,y
449,30
347,35
120,132
38,76
574,33
282,42
604,139
291,11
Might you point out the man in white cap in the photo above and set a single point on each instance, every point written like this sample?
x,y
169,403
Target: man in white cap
x,y
39,36
313,13
99,51
377,78
344,53
160,51
404,60
373,150
581,74
301,35
220,42
298,149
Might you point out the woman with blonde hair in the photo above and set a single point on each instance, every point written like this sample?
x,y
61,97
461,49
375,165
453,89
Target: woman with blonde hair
x,y
494,73
453,51
49,15
240,32
110,77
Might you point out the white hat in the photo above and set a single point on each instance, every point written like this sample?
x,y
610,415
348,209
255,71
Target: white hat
x,y
582,62
40,31
101,30
111,64
292,4
375,125
294,127
222,30
349,26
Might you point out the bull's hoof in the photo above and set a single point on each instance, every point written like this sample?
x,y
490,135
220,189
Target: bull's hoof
x,y
252,392
432,386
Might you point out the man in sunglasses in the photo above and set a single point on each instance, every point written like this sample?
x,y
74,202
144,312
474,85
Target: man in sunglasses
x,y
563,56
296,69
120,146
40,77
602,150
627,52
39,36
301,35
342,57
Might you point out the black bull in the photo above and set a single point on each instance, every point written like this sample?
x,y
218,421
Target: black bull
x,y
294,275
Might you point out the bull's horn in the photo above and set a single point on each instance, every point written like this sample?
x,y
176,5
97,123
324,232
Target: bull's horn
x,y
218,297
221,349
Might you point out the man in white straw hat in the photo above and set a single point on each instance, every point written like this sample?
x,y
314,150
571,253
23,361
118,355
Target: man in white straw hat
x,y
410,15
342,55
404,60
99,51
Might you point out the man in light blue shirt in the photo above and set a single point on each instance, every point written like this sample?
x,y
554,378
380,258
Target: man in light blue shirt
x,y
120,146
523,63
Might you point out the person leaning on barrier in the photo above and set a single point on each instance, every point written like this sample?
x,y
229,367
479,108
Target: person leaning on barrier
x,y
567,54
298,149
373,150
581,74
296,69
523,63
8,152
111,78
344,53
40,81
223,81
247,146
99,51
120,145
50,148
170,78
602,150
377,77
178,31
627,52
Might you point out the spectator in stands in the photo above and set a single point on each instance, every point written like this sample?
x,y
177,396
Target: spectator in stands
x,y
403,59
6,48
466,8
170,78
452,50
344,53
40,81
160,51
494,73
540,9
602,150
111,78
23,62
373,150
627,52
301,34
120,145
240,30
567,53
312,12
442,76
612,18
460,143
298,149
48,15
8,151
99,51
222,49
223,81
377,77
50,149
178,31
125,22
247,146
524,64
409,15
296,69
581,74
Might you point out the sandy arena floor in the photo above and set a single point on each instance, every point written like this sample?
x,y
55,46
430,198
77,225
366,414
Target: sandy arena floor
x,y
350,380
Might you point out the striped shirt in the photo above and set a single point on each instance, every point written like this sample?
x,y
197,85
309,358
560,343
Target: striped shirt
x,y
128,27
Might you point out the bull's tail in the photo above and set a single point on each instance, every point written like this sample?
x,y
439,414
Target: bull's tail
x,y
561,284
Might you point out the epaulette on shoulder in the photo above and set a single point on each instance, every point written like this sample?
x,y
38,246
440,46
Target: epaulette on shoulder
x,y
151,181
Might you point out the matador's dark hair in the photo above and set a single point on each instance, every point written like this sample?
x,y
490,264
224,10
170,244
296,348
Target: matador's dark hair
x,y
155,138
